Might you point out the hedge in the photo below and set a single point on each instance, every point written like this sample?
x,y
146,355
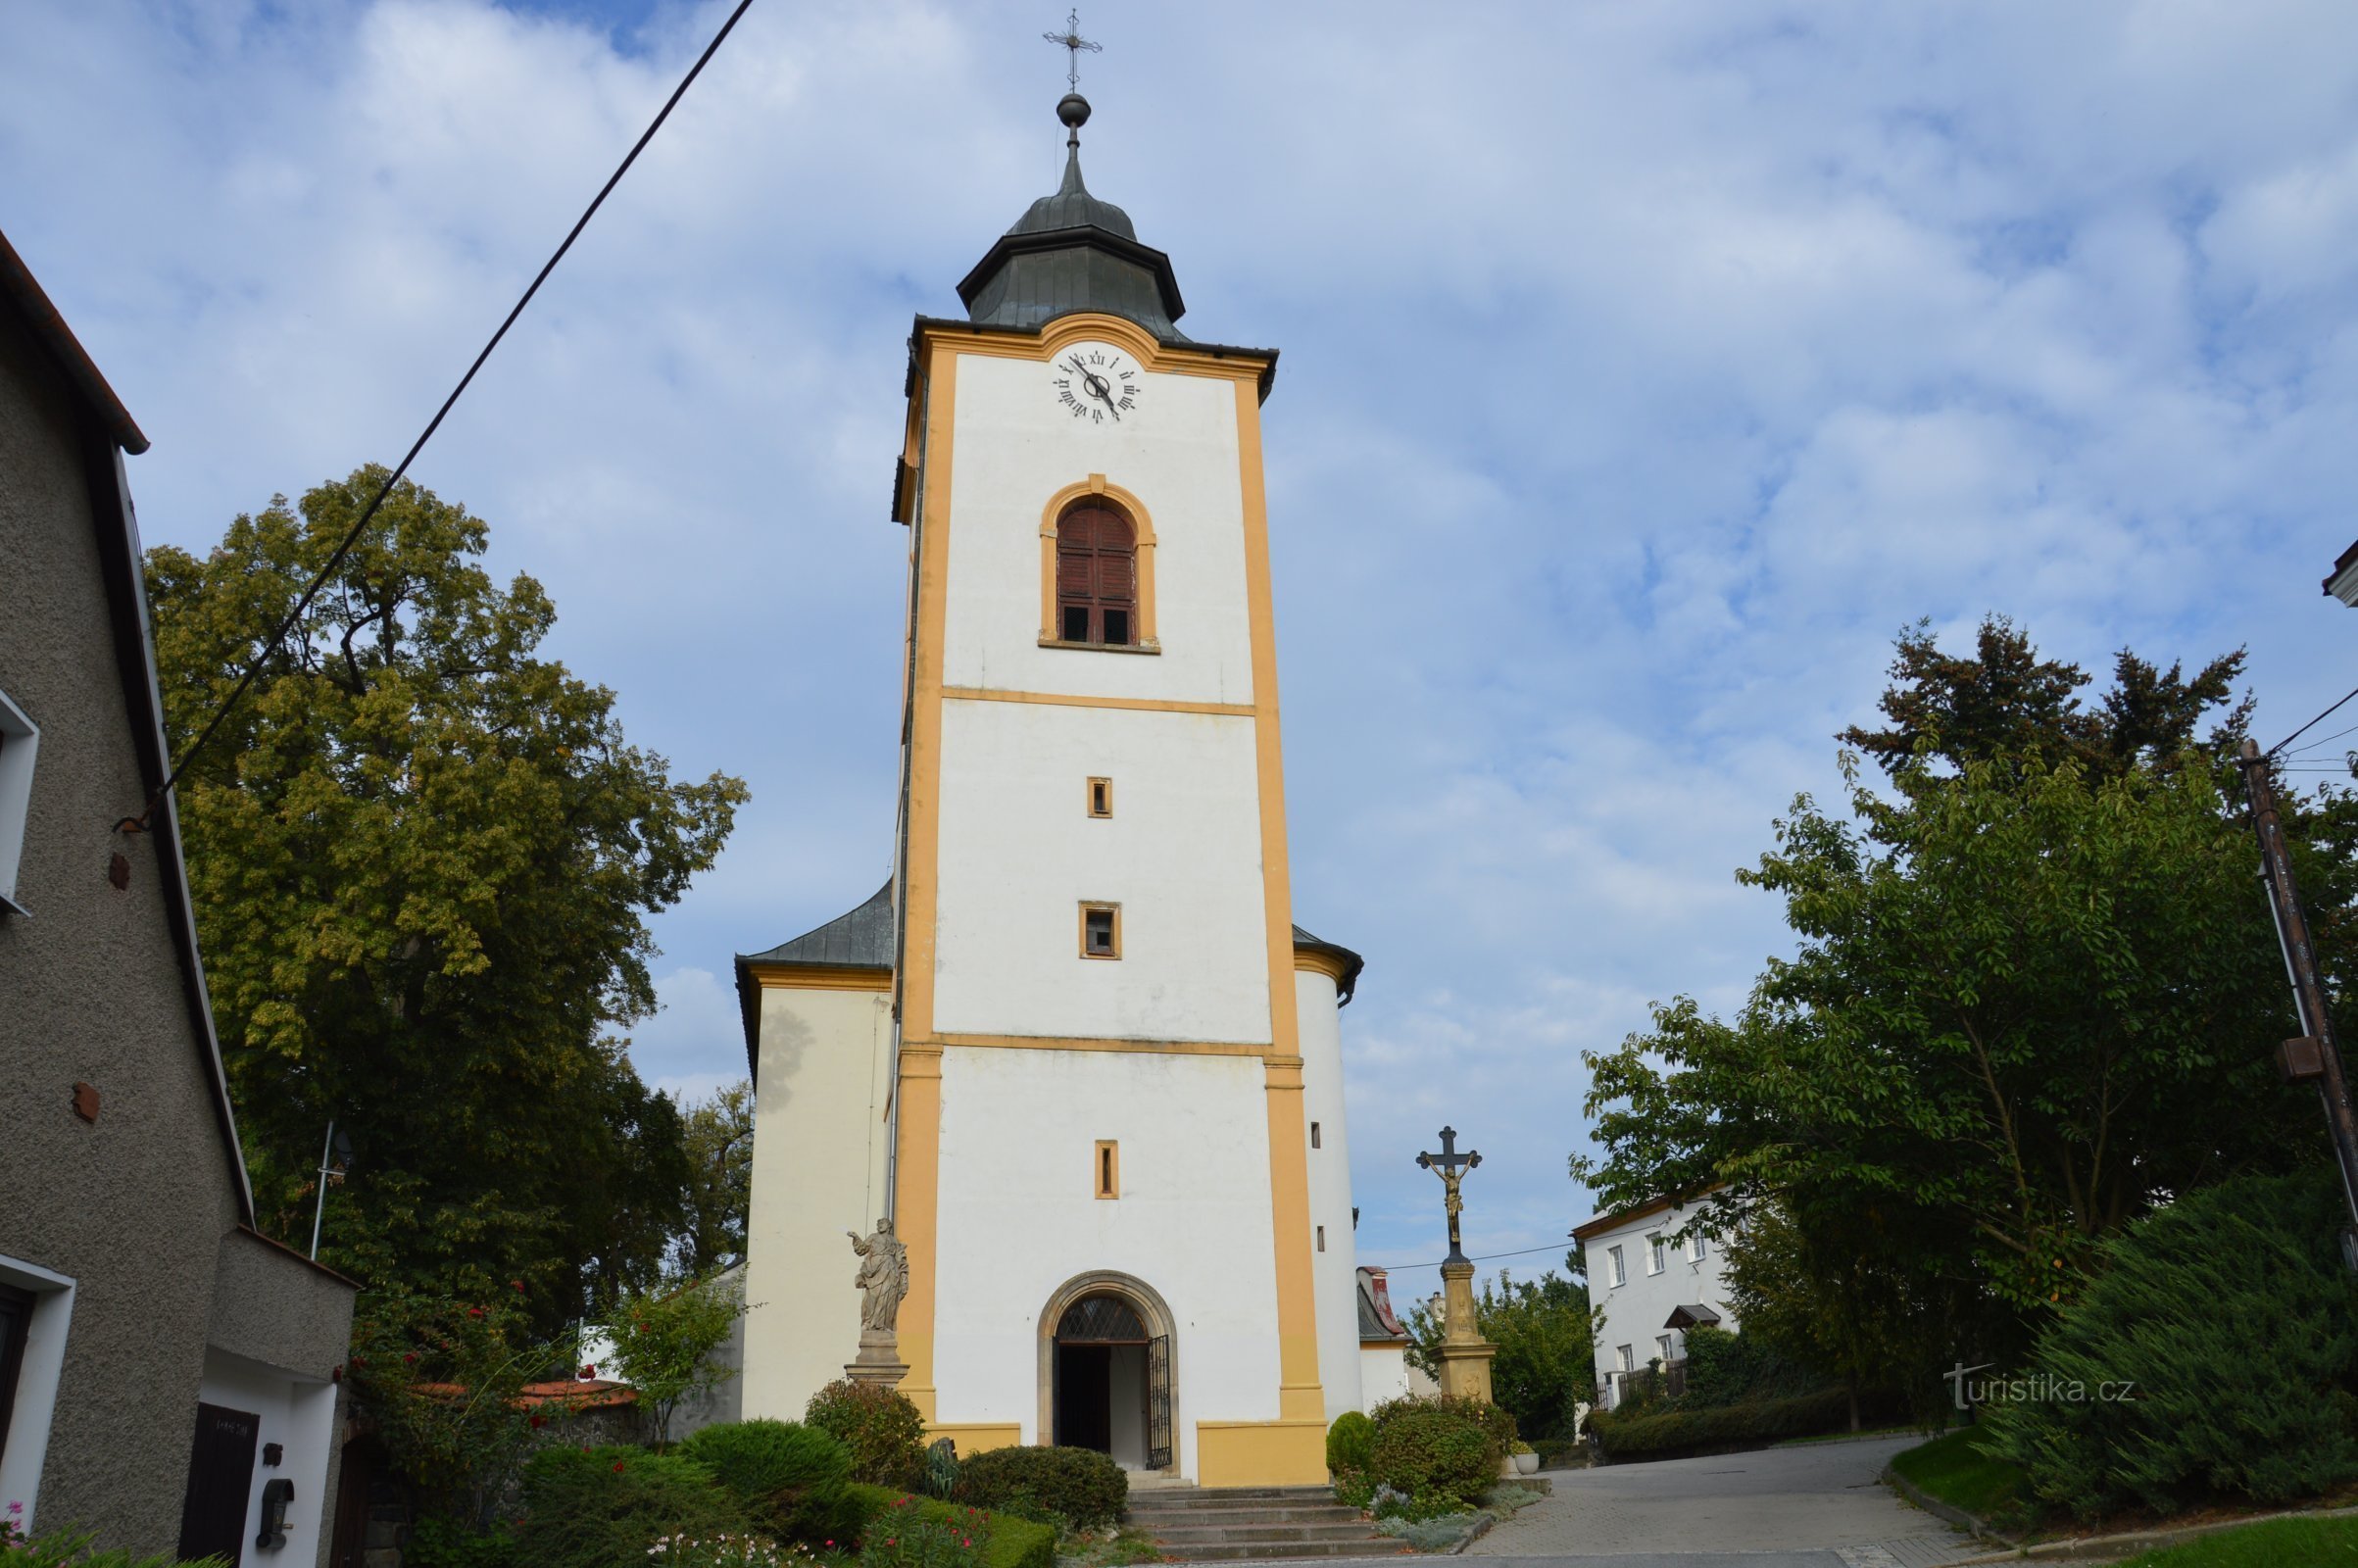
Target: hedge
x,y
790,1477
603,1507
1008,1542
1675,1432
1349,1445
1082,1484
879,1425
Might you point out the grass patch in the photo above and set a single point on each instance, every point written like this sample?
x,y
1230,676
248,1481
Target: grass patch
x,y
1959,1470
1846,1436
2273,1544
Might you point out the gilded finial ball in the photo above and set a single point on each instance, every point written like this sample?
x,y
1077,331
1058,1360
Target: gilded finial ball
x,y
1073,110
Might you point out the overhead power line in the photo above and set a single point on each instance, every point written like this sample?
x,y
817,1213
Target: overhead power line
x,y
1402,1268
2312,724
368,513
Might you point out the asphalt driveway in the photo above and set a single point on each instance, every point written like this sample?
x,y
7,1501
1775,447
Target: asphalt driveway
x,y
1815,1505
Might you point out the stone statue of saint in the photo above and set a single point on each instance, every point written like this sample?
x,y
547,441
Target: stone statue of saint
x,y
883,1277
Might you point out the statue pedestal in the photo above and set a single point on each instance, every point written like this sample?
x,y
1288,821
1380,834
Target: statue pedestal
x,y
1465,1355
879,1360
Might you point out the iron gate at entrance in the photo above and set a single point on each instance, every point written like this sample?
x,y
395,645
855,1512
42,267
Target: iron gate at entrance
x,y
1113,1381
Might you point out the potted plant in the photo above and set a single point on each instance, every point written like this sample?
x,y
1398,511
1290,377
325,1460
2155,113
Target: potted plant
x,y
1526,1459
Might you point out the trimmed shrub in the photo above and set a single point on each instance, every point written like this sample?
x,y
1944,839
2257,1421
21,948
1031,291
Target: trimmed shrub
x,y
1350,1444
1440,1452
2227,1316
791,1478
1000,1540
604,1508
879,1425
1642,1434
1080,1486
71,1548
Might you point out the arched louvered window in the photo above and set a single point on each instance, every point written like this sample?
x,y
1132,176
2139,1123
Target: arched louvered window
x,y
1097,576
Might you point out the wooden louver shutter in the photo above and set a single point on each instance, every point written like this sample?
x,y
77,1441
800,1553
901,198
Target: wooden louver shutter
x,y
1097,570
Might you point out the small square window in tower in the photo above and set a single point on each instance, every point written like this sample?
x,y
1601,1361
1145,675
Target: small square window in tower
x,y
1097,576
1101,797
1100,931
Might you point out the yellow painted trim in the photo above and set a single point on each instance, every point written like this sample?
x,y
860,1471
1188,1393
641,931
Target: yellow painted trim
x,y
917,1093
1144,705
1286,1452
1151,354
1089,906
1299,1395
1325,963
971,1438
1053,514
820,977
1106,1168
1175,1048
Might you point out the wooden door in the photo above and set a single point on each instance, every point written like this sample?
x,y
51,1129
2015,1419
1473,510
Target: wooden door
x,y
221,1480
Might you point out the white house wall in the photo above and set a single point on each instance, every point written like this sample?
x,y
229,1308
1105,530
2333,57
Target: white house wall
x,y
1635,1312
1015,448
1019,1218
820,1144
1334,1273
1019,854
1383,1373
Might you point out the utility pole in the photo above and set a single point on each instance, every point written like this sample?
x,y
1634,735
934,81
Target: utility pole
x,y
2312,1055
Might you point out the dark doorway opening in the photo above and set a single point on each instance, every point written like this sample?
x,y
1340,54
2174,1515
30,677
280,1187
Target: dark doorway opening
x,y
1113,1384
220,1483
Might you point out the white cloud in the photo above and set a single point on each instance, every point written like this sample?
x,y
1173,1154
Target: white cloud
x,y
1644,369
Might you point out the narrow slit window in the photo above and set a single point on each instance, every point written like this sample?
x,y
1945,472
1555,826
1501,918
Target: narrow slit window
x,y
1101,797
1323,1238
1100,931
1109,1172
1314,1135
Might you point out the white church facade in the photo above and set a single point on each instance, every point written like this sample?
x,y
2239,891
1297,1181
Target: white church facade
x,y
1075,1050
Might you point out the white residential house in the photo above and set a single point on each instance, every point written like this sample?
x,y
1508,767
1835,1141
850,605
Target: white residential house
x,y
1651,1277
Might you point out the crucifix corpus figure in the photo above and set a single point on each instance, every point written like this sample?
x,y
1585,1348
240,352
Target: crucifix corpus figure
x,y
883,1277
1450,1166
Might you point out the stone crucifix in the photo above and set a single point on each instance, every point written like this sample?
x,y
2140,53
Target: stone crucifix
x,y
1450,1166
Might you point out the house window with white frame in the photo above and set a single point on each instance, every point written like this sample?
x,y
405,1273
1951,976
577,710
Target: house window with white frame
x,y
1653,1255
20,741
1695,1248
1662,1343
1614,1269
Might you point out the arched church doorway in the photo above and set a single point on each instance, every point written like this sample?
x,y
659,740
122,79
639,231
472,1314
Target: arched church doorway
x,y
1108,1364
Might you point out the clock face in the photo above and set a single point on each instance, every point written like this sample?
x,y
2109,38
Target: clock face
x,y
1096,384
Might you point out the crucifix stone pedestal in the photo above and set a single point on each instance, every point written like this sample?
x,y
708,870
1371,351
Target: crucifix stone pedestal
x,y
1465,1355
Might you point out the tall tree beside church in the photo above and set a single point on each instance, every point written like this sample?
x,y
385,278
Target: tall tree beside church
x,y
721,1160
2033,997
421,857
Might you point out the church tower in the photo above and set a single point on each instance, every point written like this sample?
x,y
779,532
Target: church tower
x,y
1077,1049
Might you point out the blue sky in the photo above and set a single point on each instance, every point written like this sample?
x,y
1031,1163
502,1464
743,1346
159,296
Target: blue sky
x,y
1645,369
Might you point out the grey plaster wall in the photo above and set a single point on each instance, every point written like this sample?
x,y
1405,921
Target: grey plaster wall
x,y
133,1207
277,1307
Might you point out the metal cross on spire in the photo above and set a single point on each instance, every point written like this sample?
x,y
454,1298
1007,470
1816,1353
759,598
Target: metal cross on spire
x,y
1070,40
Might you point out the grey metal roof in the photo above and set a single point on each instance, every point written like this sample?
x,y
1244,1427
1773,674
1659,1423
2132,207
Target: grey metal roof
x,y
1688,1317
1071,250
1352,964
861,939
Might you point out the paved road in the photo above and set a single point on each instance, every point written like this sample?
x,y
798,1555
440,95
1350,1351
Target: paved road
x,y
1818,1505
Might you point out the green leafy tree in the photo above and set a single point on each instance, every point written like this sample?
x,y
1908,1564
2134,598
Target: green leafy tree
x,y
1544,1331
2033,997
421,858
661,1342
720,1161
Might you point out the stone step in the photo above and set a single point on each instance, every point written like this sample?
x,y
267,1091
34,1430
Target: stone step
x,y
1275,1513
1222,1501
1372,1547
1227,1536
